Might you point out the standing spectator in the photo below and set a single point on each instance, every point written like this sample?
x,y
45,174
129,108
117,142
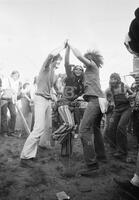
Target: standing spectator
x,y
91,137
32,94
3,130
25,106
12,90
117,134
42,102
108,113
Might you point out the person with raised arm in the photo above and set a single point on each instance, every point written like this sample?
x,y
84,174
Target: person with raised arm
x,y
74,88
92,140
42,102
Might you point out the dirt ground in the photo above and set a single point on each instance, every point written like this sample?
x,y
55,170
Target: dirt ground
x,y
52,174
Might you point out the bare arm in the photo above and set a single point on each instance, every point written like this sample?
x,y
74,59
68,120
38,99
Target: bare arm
x,y
80,57
67,64
58,50
52,54
129,91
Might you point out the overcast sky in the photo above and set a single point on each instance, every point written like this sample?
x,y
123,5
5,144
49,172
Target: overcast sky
x,y
30,29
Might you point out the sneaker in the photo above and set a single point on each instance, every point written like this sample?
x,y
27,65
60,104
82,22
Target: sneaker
x,y
90,170
128,188
27,162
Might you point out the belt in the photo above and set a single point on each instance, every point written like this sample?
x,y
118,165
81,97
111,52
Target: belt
x,y
43,96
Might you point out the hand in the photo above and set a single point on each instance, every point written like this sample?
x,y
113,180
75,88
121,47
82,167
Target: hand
x,y
66,43
59,49
131,96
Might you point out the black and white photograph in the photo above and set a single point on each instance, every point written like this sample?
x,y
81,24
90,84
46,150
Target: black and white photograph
x,y
69,100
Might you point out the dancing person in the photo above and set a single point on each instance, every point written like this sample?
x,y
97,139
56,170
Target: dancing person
x,y
117,134
74,87
42,102
91,137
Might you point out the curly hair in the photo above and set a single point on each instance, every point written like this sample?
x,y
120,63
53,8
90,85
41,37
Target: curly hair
x,y
116,76
95,56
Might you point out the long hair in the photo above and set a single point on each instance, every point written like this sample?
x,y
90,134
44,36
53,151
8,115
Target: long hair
x,y
115,76
58,56
95,56
51,59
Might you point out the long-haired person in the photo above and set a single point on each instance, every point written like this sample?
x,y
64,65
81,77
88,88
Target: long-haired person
x,y
92,140
117,134
74,87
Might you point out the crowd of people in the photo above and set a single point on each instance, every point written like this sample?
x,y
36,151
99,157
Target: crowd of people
x,y
119,105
